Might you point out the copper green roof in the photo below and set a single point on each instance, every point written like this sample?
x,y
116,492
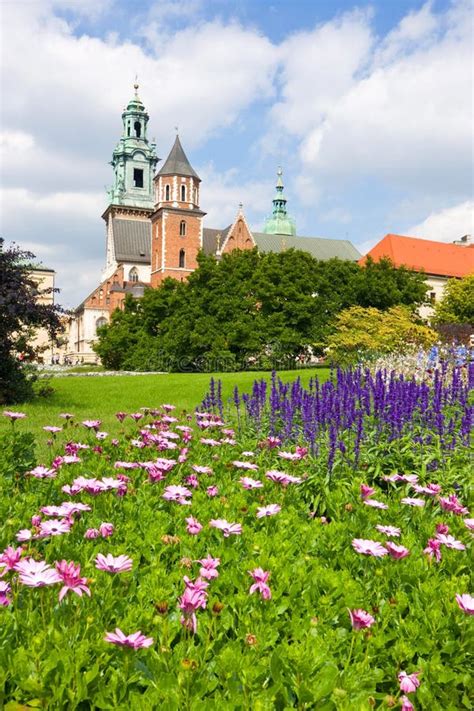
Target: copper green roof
x,y
279,222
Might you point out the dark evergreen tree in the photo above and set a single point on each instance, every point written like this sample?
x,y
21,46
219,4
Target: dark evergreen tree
x,y
20,314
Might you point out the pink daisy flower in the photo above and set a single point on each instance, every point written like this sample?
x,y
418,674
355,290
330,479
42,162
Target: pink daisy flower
x,y
375,504
36,574
395,551
111,564
368,547
234,529
249,483
391,531
135,641
70,574
360,619
260,577
466,603
269,510
409,683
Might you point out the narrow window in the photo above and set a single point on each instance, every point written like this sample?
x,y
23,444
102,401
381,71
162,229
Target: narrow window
x,y
138,177
128,128
138,129
167,193
100,322
133,274
182,258
183,193
433,297
182,228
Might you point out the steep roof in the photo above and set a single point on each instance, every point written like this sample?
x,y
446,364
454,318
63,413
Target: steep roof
x,y
318,247
177,162
132,240
436,258
209,239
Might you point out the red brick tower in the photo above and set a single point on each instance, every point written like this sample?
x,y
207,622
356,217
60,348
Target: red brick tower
x,y
177,220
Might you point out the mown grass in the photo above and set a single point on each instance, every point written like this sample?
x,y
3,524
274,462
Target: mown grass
x,y
102,397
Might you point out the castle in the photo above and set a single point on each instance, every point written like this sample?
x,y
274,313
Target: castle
x,y
154,229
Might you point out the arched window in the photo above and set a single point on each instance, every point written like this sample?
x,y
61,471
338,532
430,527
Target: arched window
x,y
100,322
182,259
167,192
183,193
133,274
138,129
182,228
128,128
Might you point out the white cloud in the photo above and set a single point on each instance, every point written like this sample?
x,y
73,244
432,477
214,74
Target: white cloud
x,y
446,225
67,204
397,110
14,142
221,194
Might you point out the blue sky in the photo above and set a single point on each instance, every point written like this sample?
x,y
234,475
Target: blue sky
x,y
368,108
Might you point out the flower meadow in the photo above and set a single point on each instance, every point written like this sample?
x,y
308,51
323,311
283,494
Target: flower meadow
x,y
296,548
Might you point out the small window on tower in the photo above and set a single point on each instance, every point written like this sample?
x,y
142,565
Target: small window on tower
x,y
138,177
133,274
182,228
138,129
128,129
183,193
182,258
167,192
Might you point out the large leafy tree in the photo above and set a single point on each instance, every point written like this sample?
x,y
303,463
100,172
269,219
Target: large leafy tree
x,y
20,315
248,306
457,305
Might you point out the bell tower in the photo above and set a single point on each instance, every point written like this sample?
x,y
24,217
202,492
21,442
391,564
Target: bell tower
x,y
279,223
177,220
134,159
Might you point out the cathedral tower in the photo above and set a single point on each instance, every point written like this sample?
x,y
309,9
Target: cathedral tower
x,y
279,223
131,197
177,220
134,159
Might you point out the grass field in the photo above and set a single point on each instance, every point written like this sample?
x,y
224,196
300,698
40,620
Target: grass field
x,y
102,397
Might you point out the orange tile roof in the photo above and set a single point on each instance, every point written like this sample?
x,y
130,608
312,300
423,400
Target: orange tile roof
x,y
436,258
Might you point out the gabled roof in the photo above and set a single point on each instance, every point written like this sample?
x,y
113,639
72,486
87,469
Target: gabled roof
x,y
319,247
209,239
132,240
436,258
177,162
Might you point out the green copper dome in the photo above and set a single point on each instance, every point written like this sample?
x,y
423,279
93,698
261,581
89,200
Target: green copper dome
x,y
279,223
134,159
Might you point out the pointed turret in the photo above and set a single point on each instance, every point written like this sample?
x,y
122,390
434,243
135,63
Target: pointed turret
x,y
177,163
279,223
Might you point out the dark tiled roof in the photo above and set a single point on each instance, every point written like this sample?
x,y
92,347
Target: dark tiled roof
x,y
132,240
209,239
177,162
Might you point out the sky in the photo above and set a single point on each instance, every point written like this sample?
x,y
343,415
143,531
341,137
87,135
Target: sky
x,y
367,107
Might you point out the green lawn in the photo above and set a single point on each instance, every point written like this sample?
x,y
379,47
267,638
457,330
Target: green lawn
x,y
102,397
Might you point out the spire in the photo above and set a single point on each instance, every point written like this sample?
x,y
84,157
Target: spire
x,y
280,223
177,162
134,158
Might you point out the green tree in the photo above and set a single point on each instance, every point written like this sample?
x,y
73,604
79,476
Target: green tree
x,y
248,307
362,332
457,305
20,314
382,285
